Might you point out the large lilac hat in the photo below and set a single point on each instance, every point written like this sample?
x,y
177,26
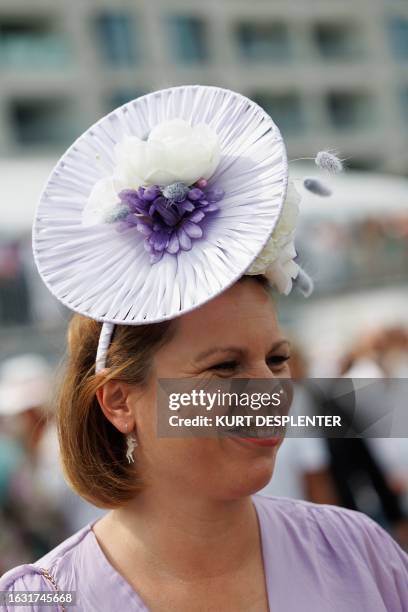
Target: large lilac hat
x,y
165,203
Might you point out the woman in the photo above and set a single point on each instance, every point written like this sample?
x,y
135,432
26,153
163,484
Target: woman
x,y
186,530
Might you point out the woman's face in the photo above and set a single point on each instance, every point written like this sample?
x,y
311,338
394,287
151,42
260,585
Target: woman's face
x,y
235,335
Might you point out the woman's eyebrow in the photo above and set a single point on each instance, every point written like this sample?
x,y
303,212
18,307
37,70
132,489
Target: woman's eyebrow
x,y
218,349
235,349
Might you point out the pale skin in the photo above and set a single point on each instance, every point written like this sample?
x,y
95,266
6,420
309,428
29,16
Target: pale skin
x,y
190,540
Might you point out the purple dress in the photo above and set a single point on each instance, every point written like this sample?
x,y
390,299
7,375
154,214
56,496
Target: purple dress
x,y
316,558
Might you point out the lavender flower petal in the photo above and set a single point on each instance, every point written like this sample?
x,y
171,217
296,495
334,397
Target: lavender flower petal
x,y
196,216
144,228
174,246
192,229
131,198
159,240
185,206
155,256
210,208
195,194
184,240
151,193
215,195
131,220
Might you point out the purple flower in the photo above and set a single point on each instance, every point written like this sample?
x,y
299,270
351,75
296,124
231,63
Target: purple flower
x,y
195,194
168,218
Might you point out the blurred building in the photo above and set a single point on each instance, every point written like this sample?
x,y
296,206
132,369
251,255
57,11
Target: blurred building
x,y
331,73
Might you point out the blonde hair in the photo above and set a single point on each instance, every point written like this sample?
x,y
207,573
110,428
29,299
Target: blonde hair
x,y
93,451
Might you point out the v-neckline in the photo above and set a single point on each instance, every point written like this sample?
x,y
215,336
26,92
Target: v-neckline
x,y
134,595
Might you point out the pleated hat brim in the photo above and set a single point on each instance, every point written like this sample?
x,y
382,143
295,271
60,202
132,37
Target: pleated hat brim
x,y
107,275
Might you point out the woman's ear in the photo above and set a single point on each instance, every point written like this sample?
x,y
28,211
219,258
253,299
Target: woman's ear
x,y
113,398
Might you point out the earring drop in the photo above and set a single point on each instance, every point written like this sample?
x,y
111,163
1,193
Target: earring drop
x,y
131,443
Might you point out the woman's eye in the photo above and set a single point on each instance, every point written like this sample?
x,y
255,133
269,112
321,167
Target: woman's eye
x,y
225,365
277,361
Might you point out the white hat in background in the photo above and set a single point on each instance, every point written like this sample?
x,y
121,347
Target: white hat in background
x,y
25,382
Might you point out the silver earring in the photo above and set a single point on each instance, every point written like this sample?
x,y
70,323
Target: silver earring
x,y
131,443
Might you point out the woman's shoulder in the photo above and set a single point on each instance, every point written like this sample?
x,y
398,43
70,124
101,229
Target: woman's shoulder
x,y
52,571
335,534
305,511
322,520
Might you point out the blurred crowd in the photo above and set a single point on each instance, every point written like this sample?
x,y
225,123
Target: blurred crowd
x,y
23,299
378,353
355,253
38,510
367,474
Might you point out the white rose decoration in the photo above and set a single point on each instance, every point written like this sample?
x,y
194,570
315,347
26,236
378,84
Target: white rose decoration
x,y
275,260
175,151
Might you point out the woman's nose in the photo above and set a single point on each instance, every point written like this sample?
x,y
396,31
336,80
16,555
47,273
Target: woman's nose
x,y
260,370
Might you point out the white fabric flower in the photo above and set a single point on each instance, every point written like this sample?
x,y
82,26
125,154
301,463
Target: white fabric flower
x,y
283,270
174,151
275,260
102,203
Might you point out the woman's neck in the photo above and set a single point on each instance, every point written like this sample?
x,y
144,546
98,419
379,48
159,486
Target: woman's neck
x,y
188,538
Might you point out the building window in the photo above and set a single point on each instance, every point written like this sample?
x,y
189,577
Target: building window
x,y
398,33
123,96
260,42
285,110
349,110
403,96
14,288
119,42
27,43
337,41
188,39
41,122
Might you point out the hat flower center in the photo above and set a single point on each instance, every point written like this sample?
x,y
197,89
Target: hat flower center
x,y
170,218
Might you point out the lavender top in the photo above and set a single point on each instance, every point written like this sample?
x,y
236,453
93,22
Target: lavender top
x,y
316,557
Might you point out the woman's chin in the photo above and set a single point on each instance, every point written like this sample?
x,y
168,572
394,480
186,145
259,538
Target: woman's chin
x,y
251,465
254,478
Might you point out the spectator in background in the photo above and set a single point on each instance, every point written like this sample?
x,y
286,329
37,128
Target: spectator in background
x,y
372,474
302,464
29,526
37,509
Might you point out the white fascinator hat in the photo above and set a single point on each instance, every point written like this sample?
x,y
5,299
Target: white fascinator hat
x,y
163,204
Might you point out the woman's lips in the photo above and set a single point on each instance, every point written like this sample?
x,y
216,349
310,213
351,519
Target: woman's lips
x,y
259,437
263,441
